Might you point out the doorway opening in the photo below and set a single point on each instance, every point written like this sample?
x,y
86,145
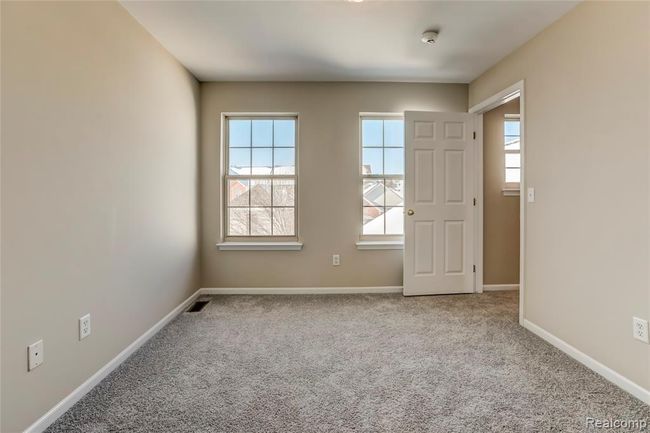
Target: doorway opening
x,y
501,194
501,189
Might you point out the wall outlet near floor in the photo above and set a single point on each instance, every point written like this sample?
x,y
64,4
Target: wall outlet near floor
x,y
336,260
35,355
640,329
84,327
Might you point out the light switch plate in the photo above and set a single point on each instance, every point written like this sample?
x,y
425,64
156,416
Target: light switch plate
x,y
531,195
35,355
336,260
84,326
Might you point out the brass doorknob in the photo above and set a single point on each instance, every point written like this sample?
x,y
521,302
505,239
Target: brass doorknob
x,y
410,212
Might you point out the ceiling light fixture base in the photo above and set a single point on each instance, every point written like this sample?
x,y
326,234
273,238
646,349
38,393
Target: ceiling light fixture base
x,y
429,37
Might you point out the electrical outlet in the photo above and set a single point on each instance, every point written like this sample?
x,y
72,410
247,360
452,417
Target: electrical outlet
x,y
336,260
35,355
84,326
640,329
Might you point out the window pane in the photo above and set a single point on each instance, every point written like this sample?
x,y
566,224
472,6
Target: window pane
x,y
394,132
372,133
284,133
283,221
261,161
262,133
394,161
511,127
240,161
394,220
394,192
239,133
283,192
512,143
260,192
513,160
373,192
258,149
373,161
260,221
512,175
238,221
238,192
373,220
284,162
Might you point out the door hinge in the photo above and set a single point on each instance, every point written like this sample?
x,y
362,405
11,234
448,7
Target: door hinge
x,y
474,135
474,202
473,268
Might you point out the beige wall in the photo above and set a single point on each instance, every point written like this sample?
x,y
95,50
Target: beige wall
x,y
587,110
330,211
500,213
99,193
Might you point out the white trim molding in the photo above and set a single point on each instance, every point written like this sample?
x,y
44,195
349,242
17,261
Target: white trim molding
x,y
499,287
504,96
260,246
500,98
511,192
61,407
380,245
297,290
616,378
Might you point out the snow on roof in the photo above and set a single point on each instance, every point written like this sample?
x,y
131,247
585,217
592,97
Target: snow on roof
x,y
394,222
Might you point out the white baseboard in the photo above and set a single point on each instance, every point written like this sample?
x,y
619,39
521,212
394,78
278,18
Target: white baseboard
x,y
53,414
499,287
298,290
609,374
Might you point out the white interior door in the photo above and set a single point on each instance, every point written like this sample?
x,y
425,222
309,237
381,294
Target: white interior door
x,y
439,203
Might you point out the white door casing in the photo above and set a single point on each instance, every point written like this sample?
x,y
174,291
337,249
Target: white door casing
x,y
439,203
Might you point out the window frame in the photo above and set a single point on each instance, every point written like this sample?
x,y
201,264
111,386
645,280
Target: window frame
x,y
511,188
377,238
226,176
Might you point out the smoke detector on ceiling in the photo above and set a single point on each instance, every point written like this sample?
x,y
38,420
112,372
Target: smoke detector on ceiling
x,y
430,37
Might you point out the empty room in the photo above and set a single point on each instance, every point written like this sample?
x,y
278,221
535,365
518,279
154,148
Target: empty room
x,y
324,216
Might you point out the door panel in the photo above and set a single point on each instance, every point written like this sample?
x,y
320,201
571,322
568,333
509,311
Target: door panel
x,y
439,189
454,257
423,247
454,176
424,168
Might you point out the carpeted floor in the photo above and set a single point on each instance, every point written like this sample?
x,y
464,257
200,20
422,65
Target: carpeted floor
x,y
352,363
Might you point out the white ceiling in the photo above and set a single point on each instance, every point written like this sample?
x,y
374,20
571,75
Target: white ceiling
x,y
341,40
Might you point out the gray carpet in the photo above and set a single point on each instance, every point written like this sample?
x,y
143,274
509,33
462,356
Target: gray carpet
x,y
352,363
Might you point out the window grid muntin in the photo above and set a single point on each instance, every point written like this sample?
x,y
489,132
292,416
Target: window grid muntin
x,y
383,177
250,177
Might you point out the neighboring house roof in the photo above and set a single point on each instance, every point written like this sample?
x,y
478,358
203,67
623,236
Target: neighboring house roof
x,y
394,222
373,193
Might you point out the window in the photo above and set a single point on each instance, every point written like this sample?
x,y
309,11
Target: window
x,y
382,173
511,141
260,179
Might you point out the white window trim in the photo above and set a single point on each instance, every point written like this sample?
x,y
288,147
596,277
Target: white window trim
x,y
380,245
375,241
260,246
270,243
511,192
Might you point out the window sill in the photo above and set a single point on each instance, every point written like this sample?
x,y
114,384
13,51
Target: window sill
x,y
511,192
380,245
259,246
